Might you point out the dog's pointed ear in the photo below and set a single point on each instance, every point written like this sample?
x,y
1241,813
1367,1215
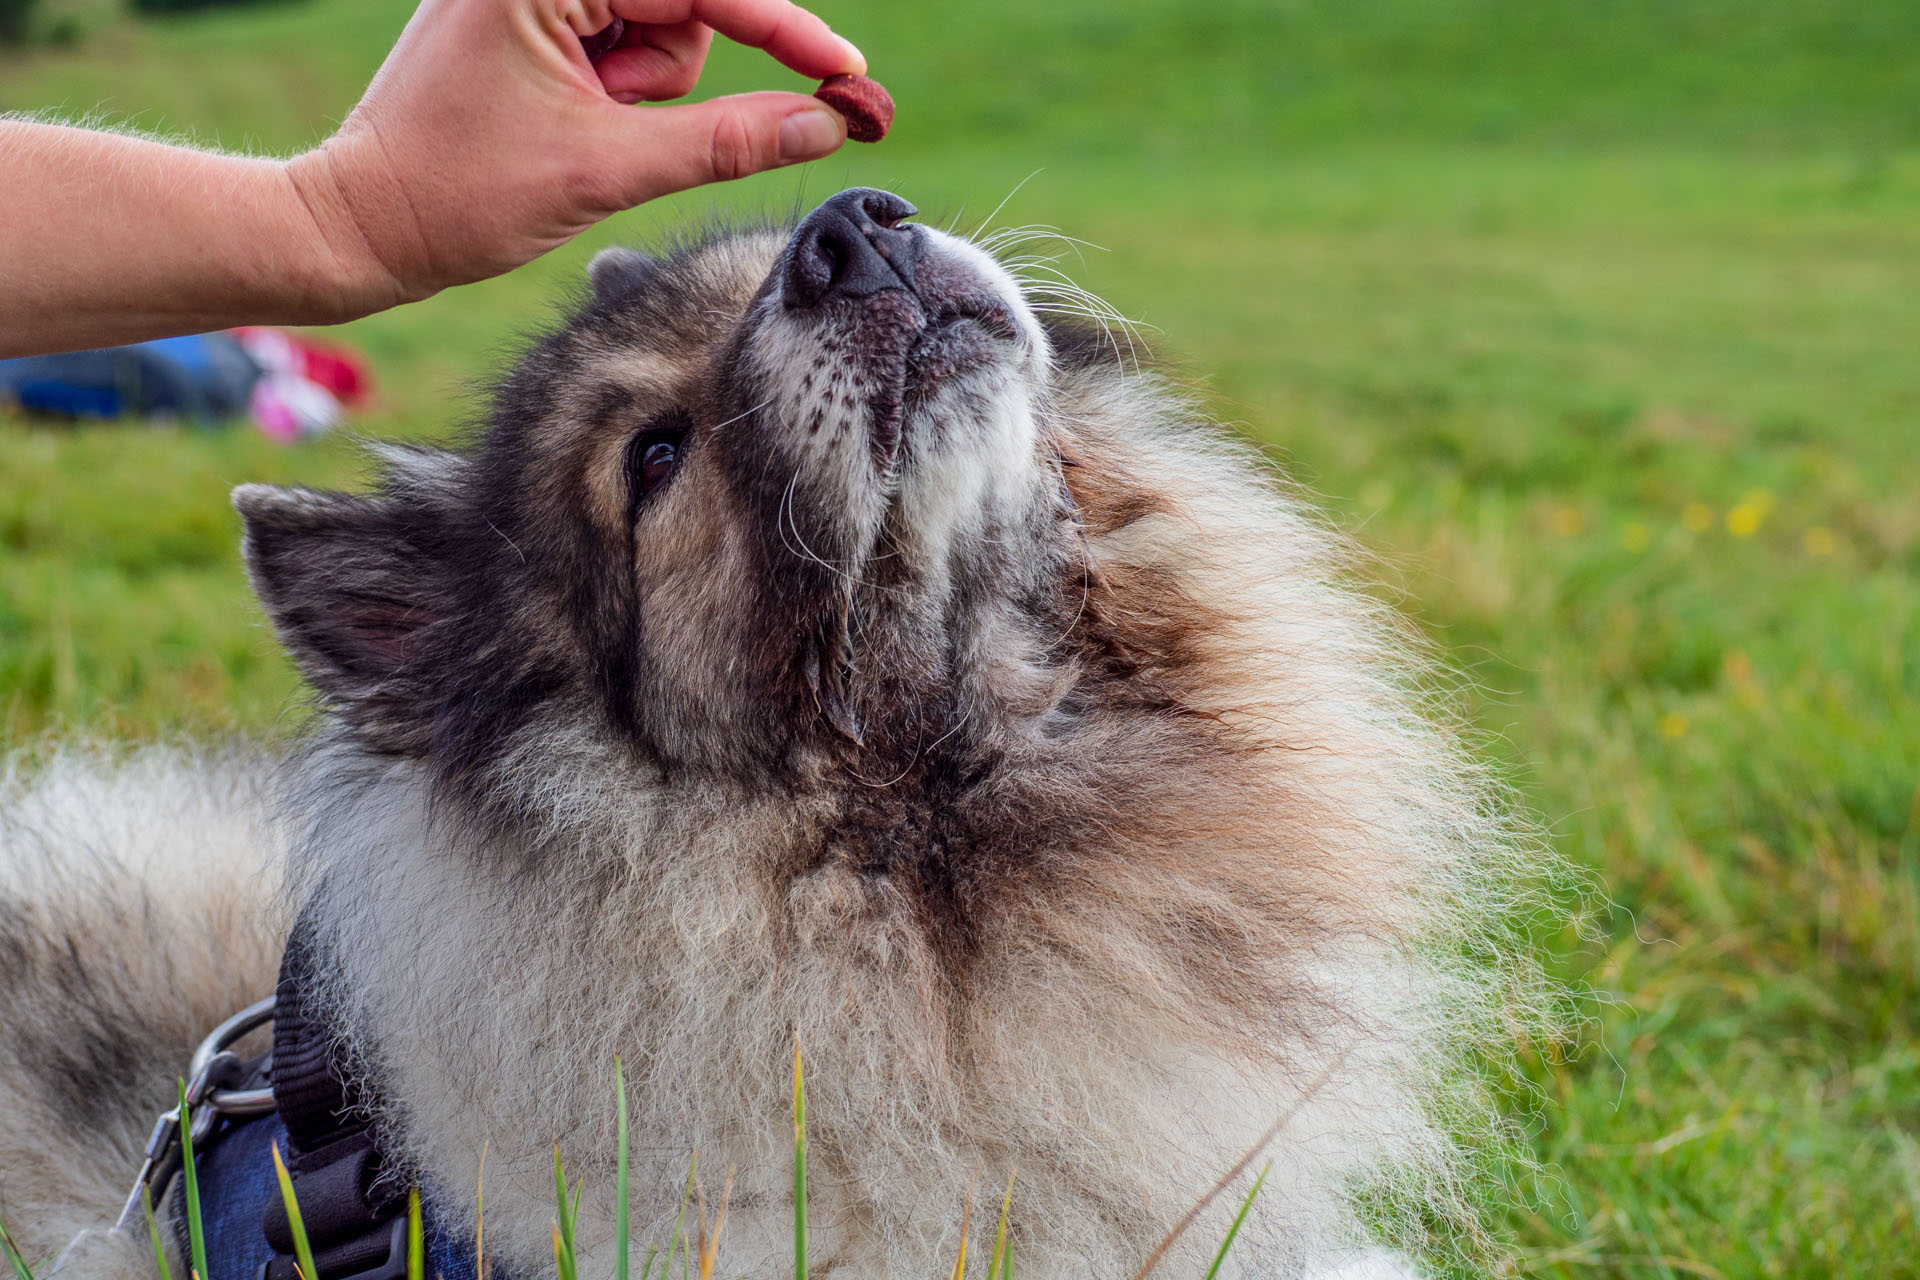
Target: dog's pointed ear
x,y
356,588
615,273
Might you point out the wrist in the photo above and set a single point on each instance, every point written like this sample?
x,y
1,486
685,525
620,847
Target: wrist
x,y
349,271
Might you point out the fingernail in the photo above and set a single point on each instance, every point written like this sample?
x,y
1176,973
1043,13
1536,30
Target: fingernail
x,y
810,133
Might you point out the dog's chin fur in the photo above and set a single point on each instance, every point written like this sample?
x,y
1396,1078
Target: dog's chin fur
x,y
1249,878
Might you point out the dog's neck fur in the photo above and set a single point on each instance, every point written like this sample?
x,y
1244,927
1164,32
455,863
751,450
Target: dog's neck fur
x,y
696,929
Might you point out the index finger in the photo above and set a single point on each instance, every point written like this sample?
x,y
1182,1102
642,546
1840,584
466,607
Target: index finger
x,y
790,34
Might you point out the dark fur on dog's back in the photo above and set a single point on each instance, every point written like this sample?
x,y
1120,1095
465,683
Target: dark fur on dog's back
x,y
958,706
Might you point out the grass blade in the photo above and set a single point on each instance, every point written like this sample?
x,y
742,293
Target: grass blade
x,y
416,1238
710,1245
1220,1258
799,1167
153,1236
302,1251
196,1230
966,1227
21,1271
481,1270
1313,1087
1000,1232
564,1262
622,1210
679,1221
699,1237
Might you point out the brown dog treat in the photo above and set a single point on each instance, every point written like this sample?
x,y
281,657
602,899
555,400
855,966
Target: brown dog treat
x,y
865,103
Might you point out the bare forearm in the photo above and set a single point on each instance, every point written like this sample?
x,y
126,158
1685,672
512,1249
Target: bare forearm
x,y
106,239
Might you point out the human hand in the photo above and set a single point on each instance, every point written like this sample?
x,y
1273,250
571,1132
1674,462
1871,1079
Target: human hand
x,y
488,138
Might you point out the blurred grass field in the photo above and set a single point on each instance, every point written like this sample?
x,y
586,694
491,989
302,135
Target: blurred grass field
x,y
1600,323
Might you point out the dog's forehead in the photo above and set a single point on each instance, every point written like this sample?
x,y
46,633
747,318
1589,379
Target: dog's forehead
x,y
695,295
638,356
684,304
730,269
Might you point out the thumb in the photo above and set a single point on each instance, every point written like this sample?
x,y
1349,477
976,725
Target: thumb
x,y
674,148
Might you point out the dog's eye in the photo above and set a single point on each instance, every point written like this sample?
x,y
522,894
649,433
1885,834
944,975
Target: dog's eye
x,y
656,461
651,455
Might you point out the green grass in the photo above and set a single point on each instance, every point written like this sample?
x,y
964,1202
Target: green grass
x,y
1233,1230
302,1249
1600,323
566,1213
190,1183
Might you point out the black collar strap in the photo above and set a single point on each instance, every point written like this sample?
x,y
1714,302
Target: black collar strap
x,y
354,1208
350,1208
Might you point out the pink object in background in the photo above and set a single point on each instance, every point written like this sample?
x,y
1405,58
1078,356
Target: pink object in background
x,y
304,386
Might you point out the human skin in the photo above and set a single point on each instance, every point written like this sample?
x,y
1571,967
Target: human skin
x,y
486,139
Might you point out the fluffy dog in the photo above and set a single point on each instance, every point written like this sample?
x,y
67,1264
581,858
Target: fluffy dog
x,y
828,641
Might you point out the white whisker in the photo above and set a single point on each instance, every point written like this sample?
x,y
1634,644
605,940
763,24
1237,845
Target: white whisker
x,y
1003,204
784,521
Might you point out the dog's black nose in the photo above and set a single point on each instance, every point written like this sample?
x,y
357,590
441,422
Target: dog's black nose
x,y
852,246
